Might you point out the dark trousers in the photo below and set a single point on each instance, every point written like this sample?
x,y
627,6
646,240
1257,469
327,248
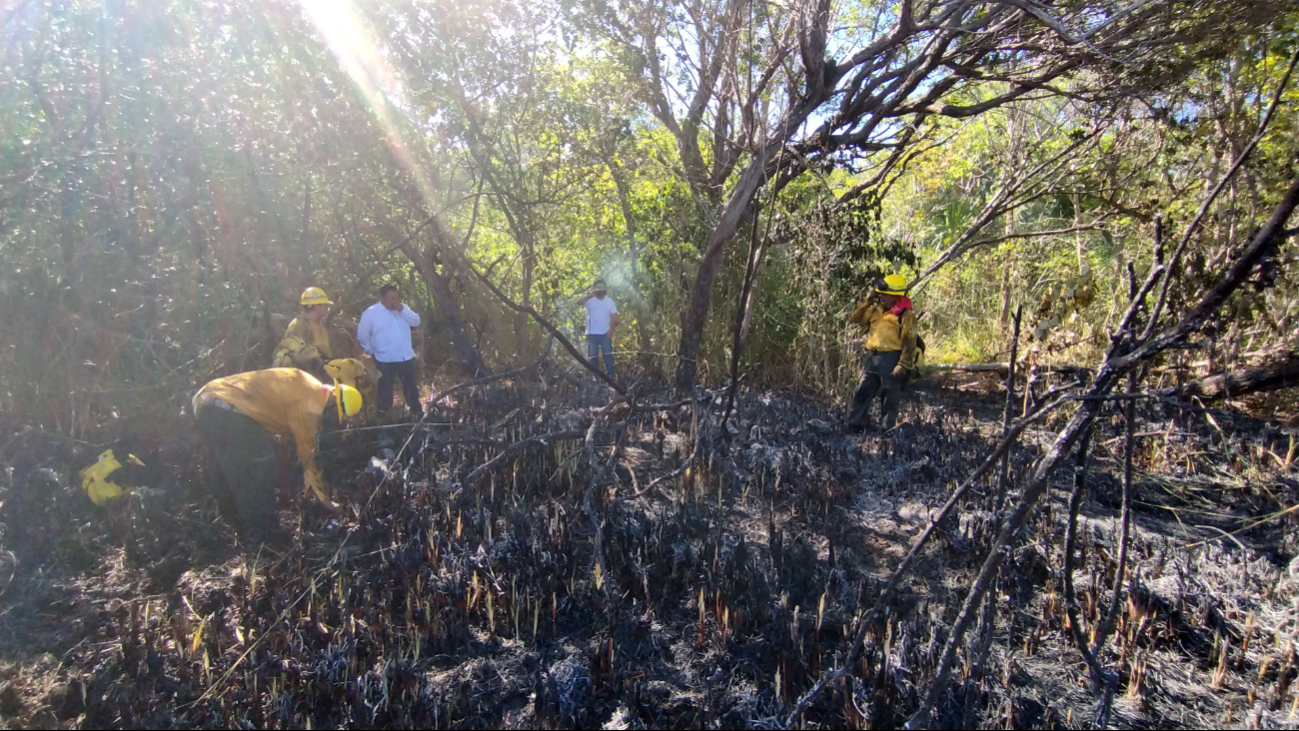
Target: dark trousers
x,y
408,372
878,377
245,454
597,344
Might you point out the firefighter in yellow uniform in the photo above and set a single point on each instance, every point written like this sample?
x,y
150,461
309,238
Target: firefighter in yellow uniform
x,y
237,416
306,340
890,351
306,345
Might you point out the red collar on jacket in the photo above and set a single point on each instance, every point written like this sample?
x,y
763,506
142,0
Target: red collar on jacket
x,y
903,304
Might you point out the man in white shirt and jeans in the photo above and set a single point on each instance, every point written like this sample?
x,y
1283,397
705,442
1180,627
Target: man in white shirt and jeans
x,y
601,319
384,332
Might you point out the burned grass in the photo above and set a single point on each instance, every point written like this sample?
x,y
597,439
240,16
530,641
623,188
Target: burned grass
x,y
715,597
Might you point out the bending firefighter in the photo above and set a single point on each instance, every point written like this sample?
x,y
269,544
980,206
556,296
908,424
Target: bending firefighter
x,y
237,416
890,351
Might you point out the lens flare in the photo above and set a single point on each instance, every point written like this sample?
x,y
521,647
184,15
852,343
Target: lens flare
x,y
365,60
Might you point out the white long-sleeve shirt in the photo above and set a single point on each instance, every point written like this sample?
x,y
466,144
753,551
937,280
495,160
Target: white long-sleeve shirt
x,y
386,334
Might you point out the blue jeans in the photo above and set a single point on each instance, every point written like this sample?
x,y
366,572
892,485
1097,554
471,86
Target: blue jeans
x,y
596,344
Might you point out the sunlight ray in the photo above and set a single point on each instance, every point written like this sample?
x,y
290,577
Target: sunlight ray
x,y
365,60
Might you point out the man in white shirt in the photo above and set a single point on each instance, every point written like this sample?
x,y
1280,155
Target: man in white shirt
x,y
601,319
384,332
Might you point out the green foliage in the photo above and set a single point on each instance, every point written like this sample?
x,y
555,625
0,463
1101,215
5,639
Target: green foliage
x,y
174,174
1064,299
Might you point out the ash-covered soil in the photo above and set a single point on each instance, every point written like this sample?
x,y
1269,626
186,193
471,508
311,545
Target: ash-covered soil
x,y
718,596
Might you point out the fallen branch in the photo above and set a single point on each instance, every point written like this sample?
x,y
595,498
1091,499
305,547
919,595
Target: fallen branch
x,y
496,377
646,408
1064,443
549,327
982,650
681,468
1272,376
518,446
1003,368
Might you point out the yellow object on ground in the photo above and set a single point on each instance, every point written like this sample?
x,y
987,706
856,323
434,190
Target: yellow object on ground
x,y
283,401
888,332
94,479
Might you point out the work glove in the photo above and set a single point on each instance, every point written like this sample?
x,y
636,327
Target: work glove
x,y
315,482
899,373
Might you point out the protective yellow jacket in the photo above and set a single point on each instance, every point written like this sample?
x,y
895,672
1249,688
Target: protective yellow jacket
x,y
311,332
888,332
284,401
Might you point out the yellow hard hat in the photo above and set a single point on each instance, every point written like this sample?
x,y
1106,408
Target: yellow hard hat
x,y
892,284
315,296
347,399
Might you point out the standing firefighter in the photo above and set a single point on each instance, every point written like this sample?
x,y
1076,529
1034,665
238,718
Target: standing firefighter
x,y
307,345
306,340
890,350
237,416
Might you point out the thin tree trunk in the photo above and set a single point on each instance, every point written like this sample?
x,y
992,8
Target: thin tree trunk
x,y
1003,479
528,263
646,356
439,287
1004,318
737,208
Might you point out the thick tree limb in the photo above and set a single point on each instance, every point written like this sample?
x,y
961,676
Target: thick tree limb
x,y
1003,368
517,447
1271,376
548,326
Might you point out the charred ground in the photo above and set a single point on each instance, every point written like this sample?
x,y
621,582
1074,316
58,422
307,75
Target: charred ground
x,y
550,591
